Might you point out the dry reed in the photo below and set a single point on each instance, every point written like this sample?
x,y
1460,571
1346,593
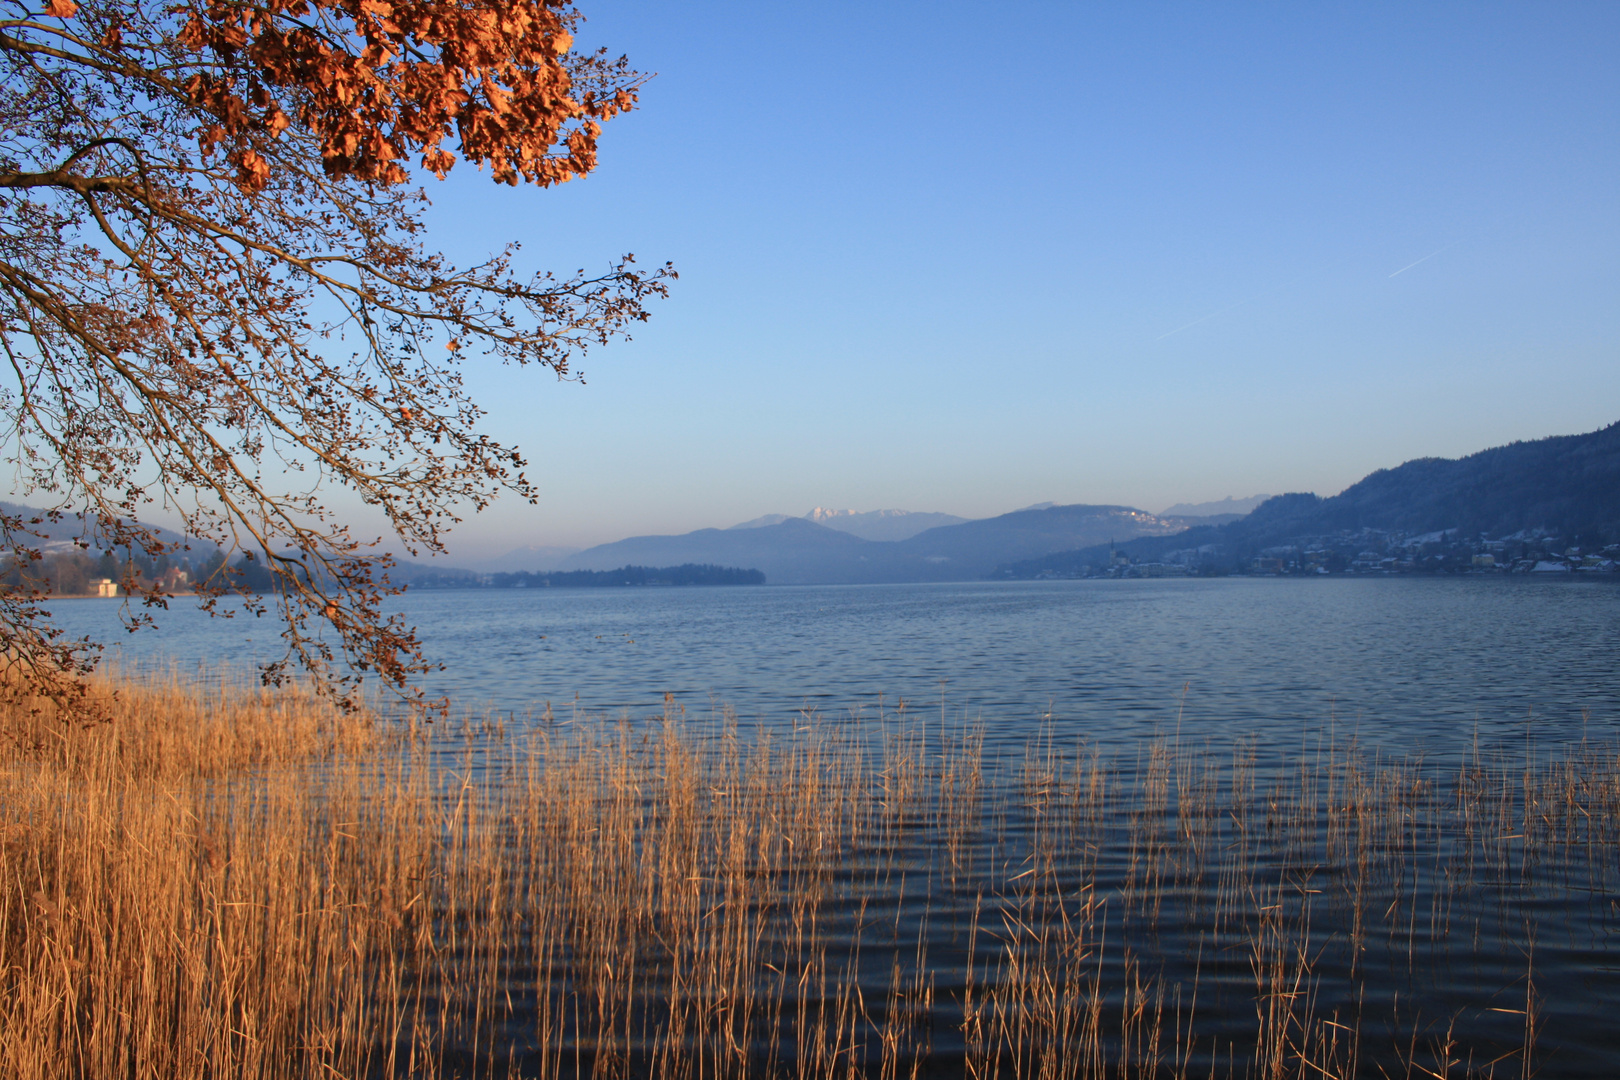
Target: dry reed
x,y
224,883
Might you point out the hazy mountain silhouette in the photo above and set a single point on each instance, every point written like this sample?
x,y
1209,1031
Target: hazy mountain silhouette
x,y
799,551
794,551
975,547
534,557
1229,508
868,525
63,535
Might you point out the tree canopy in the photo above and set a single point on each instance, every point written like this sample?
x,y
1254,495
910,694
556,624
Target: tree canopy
x,y
217,296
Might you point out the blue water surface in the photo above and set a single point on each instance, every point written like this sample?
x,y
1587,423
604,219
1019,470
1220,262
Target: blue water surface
x,y
1418,663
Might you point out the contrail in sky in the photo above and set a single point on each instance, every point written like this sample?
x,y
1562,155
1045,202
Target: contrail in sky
x,y
1295,280
1426,258
1206,318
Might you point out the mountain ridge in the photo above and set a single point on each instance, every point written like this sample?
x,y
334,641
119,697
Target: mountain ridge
x,y
799,551
1562,486
1231,507
867,524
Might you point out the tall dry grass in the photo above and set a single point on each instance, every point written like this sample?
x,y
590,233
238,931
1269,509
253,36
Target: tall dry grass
x,y
223,883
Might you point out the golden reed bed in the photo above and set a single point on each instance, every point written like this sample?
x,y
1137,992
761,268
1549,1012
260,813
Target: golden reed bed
x,y
225,883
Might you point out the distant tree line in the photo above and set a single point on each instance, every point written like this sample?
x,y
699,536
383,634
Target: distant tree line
x,y
75,573
686,574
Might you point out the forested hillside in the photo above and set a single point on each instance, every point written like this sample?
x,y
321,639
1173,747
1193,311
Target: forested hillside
x,y
1553,494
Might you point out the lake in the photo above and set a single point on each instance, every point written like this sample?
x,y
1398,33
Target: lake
x,y
1414,663
1390,805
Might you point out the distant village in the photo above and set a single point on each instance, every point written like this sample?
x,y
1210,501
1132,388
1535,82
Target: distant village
x,y
64,569
1369,552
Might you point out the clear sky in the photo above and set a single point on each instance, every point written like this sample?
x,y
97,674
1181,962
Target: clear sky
x,y
965,258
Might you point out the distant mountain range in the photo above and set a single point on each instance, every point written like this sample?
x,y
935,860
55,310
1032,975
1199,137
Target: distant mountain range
x,y
1226,508
63,536
1566,487
868,525
1561,487
800,551
534,557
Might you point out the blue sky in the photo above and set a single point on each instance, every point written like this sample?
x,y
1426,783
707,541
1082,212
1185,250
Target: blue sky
x,y
965,258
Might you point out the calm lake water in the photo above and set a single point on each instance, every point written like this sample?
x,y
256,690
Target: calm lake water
x,y
1433,911
1419,664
